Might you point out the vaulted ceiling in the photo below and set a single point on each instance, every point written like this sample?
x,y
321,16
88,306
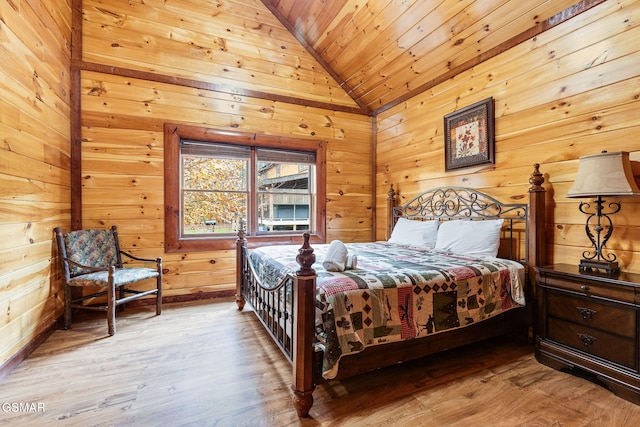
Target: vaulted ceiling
x,y
383,51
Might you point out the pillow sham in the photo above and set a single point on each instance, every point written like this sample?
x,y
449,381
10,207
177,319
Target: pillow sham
x,y
415,233
477,238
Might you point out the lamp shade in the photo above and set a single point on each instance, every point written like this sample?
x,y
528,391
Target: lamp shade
x,y
604,174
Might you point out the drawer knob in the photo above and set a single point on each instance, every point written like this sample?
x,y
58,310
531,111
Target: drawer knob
x,y
584,287
585,312
587,340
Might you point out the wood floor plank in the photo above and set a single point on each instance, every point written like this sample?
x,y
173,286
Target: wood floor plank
x,y
205,363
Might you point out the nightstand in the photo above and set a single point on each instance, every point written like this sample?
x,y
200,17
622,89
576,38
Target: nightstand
x,y
590,321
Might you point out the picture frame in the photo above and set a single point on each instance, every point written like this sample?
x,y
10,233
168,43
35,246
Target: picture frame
x,y
469,138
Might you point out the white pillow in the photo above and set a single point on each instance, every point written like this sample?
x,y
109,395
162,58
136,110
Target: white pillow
x,y
415,233
476,238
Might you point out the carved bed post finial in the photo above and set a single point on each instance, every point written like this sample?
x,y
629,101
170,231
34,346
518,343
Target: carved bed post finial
x,y
537,179
391,202
241,242
391,194
536,226
306,258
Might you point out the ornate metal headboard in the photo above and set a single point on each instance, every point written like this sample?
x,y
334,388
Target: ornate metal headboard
x,y
450,203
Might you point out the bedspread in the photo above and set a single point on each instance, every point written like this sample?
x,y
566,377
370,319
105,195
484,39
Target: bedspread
x,y
396,293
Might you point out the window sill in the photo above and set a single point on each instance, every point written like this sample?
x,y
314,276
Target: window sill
x,y
229,242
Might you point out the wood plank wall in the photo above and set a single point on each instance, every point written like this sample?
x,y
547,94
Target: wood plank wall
x,y
34,166
122,119
572,91
236,45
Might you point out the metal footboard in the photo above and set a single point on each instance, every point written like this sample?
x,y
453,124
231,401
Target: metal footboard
x,y
273,305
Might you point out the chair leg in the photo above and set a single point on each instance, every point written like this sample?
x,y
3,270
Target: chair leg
x,y
111,307
121,295
67,307
159,295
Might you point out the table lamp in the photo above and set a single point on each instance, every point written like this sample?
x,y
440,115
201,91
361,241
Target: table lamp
x,y
599,175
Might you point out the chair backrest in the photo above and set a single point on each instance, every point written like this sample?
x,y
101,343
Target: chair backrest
x,y
93,247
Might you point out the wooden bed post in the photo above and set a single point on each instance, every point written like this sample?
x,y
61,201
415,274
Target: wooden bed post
x,y
535,239
241,242
536,224
391,202
304,314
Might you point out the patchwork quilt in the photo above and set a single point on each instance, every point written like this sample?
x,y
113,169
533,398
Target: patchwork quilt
x,y
396,293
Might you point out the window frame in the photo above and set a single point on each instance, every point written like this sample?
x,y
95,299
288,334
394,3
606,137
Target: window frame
x,y
173,133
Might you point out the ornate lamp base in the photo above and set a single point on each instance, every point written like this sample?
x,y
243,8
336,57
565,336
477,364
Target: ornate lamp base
x,y
609,267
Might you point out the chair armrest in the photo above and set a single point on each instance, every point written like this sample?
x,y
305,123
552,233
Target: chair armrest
x,y
128,255
85,267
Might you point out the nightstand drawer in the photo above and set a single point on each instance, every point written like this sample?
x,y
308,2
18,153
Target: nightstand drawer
x,y
590,321
618,349
590,288
587,312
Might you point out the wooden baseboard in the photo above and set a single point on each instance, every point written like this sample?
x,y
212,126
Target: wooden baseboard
x,y
194,297
16,359
24,352
182,298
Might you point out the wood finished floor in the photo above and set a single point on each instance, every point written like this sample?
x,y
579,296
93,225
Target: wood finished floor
x,y
206,364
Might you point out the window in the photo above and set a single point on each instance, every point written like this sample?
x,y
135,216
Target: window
x,y
286,192
215,181
214,188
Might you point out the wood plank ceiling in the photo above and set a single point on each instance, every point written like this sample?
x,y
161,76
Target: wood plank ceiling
x,y
383,51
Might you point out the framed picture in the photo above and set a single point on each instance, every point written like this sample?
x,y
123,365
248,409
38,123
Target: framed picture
x,y
469,136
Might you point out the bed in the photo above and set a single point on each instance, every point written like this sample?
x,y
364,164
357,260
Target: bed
x,y
435,284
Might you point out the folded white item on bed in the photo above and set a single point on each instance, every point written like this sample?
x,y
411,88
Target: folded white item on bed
x,y
352,262
336,257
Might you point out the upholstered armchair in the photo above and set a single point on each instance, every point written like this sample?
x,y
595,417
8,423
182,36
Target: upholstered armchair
x,y
92,258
